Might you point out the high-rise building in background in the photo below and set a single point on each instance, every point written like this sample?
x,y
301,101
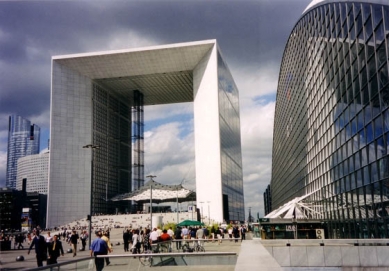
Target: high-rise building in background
x,y
331,127
34,170
23,140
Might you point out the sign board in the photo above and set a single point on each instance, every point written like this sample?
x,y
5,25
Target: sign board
x,y
190,208
26,220
290,228
263,220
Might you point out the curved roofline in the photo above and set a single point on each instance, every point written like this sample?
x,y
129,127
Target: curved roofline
x,y
316,3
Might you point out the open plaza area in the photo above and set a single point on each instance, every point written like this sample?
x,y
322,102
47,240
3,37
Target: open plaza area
x,y
8,258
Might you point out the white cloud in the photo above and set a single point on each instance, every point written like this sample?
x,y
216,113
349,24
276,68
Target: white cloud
x,y
158,112
125,38
257,136
118,39
257,88
255,81
169,156
42,120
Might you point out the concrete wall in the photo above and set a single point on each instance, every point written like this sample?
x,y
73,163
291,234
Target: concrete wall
x,y
329,253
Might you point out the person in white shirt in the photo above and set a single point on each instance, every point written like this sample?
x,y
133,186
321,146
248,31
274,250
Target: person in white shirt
x,y
230,233
200,235
170,232
159,231
49,238
154,236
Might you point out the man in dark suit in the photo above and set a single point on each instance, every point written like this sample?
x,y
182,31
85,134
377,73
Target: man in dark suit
x,y
55,249
40,245
126,239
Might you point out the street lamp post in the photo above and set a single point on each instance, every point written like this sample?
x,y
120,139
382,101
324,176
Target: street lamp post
x,y
177,205
209,215
151,200
201,217
92,147
177,200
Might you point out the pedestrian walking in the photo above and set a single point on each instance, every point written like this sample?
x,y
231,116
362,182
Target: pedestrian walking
x,y
146,240
40,245
84,236
55,249
73,241
20,239
206,232
105,237
243,233
218,236
98,247
178,236
235,232
135,242
230,234
126,239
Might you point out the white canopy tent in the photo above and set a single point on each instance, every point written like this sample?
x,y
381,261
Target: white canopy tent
x,y
160,193
156,192
295,209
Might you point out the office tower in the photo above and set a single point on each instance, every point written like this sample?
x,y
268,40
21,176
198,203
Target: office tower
x,y
332,120
23,139
34,170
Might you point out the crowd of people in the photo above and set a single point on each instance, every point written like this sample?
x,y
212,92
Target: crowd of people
x,y
49,247
136,240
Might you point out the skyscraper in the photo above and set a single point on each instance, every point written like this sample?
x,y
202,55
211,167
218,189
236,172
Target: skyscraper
x,y
331,126
34,170
23,139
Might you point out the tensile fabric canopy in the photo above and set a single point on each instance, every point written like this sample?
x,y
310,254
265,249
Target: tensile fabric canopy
x,y
159,193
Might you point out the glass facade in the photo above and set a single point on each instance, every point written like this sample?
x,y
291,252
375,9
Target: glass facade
x,y
331,129
23,140
112,161
93,104
231,154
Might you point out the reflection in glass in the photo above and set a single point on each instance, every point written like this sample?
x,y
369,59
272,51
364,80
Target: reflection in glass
x,y
331,125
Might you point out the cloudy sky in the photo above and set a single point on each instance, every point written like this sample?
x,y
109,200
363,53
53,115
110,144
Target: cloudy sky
x,y
251,35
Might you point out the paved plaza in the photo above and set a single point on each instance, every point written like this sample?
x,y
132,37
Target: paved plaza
x,y
8,258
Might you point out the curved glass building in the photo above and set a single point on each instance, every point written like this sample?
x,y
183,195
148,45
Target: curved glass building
x,y
331,129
